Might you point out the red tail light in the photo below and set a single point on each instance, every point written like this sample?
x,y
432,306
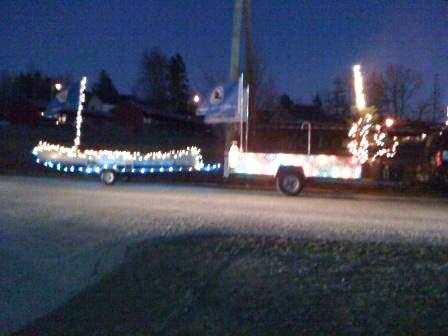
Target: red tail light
x,y
438,158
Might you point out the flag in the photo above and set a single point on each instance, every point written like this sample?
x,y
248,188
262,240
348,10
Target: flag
x,y
67,99
224,104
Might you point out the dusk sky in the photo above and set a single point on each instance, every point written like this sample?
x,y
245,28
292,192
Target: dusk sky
x,y
304,44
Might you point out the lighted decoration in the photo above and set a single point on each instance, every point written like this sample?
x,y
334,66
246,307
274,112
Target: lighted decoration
x,y
82,99
73,160
368,139
326,166
359,88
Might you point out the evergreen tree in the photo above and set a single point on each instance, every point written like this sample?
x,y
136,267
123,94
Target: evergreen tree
x,y
152,85
178,90
105,89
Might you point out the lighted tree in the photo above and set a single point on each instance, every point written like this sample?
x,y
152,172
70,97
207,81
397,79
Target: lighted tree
x,y
368,138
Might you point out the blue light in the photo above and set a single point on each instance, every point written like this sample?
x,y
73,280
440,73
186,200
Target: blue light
x,y
123,170
80,169
50,164
97,170
180,169
132,170
37,161
142,170
152,170
105,166
72,169
161,170
170,169
65,169
58,166
88,170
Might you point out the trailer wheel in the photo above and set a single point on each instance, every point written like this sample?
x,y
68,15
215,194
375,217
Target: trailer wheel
x,y
108,177
290,183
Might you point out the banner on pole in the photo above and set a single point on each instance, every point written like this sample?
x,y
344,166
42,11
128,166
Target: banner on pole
x,y
224,104
67,99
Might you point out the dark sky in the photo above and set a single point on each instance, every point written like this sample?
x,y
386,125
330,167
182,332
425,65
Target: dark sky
x,y
304,44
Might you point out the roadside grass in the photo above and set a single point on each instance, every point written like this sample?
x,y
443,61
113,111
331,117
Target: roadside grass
x,y
253,285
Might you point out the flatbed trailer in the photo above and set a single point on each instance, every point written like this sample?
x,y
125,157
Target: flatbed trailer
x,y
290,171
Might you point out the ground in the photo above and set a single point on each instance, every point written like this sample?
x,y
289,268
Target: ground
x,y
155,258
60,235
246,285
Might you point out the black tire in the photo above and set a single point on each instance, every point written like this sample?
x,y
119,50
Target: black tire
x,y
108,177
290,183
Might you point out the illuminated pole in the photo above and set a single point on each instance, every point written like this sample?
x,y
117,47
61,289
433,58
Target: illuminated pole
x,y
359,88
446,121
82,99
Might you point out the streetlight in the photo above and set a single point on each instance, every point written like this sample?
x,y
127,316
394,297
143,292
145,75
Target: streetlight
x,y
196,99
58,86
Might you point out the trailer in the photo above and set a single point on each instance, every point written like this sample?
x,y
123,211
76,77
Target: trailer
x,y
290,171
110,165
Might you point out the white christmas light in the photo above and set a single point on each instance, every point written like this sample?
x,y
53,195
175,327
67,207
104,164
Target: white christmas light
x,y
82,98
359,88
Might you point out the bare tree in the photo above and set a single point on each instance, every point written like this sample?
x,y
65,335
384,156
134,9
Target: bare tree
x,y
401,84
337,101
264,86
376,92
435,99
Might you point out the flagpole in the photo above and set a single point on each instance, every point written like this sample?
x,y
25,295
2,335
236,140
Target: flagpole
x,y
240,108
246,108
82,98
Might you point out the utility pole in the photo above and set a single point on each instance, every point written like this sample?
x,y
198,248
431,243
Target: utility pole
x,y
240,6
250,73
235,52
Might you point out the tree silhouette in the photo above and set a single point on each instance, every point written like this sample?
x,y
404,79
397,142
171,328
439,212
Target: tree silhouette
x,y
105,89
178,91
152,84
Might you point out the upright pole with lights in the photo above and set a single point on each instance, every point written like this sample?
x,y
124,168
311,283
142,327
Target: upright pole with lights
x,y
82,99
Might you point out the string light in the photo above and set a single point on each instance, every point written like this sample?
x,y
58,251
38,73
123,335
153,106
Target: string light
x,y
73,160
368,140
191,156
82,99
330,166
359,88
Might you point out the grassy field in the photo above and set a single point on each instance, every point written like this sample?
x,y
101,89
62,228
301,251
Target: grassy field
x,y
239,285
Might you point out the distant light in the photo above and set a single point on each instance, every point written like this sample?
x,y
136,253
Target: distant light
x,y
389,122
196,99
58,86
42,114
423,136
